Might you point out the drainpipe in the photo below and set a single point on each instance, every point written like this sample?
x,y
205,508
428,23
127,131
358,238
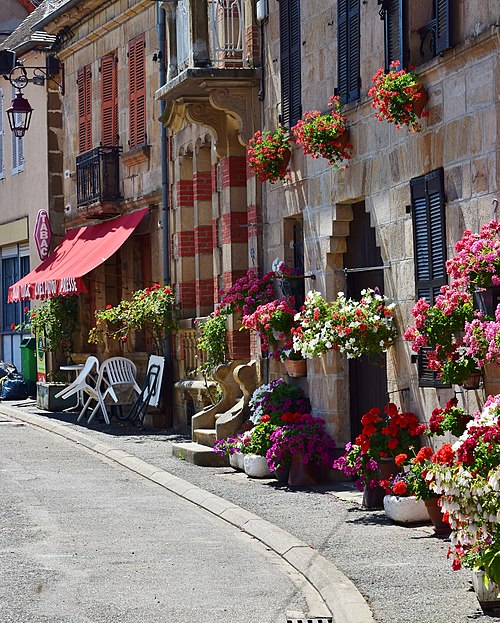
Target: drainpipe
x,y
165,182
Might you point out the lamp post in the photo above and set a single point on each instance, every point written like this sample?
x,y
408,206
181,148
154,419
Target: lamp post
x,y
19,115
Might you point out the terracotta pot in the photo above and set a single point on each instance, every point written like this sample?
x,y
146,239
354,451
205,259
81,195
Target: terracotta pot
x,y
491,379
282,474
343,138
489,598
285,162
419,104
434,510
296,367
303,474
387,468
473,381
405,510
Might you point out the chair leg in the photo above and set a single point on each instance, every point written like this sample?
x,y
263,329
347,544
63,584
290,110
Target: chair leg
x,y
84,409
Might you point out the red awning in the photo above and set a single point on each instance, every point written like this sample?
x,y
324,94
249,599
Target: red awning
x,y
81,251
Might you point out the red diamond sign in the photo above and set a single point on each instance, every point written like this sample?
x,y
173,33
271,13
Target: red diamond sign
x,y
43,234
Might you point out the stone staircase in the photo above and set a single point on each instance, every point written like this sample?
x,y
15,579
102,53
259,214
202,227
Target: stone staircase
x,y
222,420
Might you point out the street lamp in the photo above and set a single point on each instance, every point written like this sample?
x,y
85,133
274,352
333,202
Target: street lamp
x,y
19,115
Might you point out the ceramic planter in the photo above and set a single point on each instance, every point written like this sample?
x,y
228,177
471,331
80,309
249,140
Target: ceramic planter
x,y
488,597
234,460
46,397
405,509
256,466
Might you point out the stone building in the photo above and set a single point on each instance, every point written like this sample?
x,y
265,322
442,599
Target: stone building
x,y
389,220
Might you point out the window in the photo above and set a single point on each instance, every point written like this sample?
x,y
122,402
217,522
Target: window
x,y
109,100
15,264
429,237
17,145
2,163
435,35
84,109
291,108
137,91
393,12
348,50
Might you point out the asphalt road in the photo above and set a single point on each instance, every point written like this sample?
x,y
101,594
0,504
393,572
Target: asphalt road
x,y
82,540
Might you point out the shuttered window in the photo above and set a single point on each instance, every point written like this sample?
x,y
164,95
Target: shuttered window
x,y
109,100
429,237
84,81
17,145
393,13
137,91
2,162
348,50
291,101
442,16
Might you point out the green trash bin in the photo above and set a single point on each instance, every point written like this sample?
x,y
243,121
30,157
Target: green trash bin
x,y
28,359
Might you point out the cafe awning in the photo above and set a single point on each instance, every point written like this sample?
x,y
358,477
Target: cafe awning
x,y
81,251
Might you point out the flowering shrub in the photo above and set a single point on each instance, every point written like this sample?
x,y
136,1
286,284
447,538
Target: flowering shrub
x,y
273,321
247,293
388,435
152,309
320,135
352,327
212,342
393,96
275,399
57,318
451,419
266,154
467,476
358,464
305,435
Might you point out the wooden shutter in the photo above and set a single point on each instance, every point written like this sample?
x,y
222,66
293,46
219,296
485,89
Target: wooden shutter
x,y
290,55
137,91
395,33
348,50
84,82
442,15
2,163
429,236
109,101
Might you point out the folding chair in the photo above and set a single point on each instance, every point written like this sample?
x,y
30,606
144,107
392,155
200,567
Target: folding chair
x,y
138,411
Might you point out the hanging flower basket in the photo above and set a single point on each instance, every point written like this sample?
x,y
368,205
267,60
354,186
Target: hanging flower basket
x,y
325,135
269,155
398,97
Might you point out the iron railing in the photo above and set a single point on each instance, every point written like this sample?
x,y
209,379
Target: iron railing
x,y
227,32
97,176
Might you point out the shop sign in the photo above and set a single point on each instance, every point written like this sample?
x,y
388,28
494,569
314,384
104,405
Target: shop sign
x,y
43,234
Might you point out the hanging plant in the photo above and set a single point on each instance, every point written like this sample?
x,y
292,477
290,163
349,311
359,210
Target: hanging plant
x,y
325,135
398,97
269,155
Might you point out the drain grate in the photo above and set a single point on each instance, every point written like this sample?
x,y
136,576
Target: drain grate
x,y
305,620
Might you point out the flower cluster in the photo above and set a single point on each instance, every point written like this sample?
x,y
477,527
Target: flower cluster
x,y
227,447
352,327
275,399
389,434
273,321
467,476
482,338
394,95
411,481
247,293
267,155
358,464
324,135
451,419
307,436
151,309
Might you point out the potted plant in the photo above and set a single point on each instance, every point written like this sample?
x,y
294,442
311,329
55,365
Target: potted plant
x,y
358,464
451,418
467,477
255,450
269,155
325,135
275,399
398,97
272,321
247,293
230,448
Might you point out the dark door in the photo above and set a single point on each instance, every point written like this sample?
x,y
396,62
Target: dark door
x,y
367,375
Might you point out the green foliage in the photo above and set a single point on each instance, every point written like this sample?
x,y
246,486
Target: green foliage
x,y
212,342
58,319
260,439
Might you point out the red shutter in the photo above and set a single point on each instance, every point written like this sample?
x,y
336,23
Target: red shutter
x,y
137,91
109,101
84,82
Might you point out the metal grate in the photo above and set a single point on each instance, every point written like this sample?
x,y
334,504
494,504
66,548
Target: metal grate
x,y
305,620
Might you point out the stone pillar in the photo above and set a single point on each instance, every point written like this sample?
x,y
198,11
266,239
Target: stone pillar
x,y
199,32
171,19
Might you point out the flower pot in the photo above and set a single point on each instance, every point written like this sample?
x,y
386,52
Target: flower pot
x,y
387,468
303,474
473,381
419,104
440,527
491,379
343,138
373,499
256,466
285,162
233,460
405,509
296,367
488,597
282,474
239,461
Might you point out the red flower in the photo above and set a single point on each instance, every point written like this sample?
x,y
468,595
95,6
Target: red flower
x,y
265,418
12,327
444,456
399,488
424,454
400,459
109,306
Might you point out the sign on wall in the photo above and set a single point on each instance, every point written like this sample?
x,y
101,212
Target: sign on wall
x,y
43,234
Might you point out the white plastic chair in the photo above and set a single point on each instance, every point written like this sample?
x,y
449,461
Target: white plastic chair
x,y
114,374
83,380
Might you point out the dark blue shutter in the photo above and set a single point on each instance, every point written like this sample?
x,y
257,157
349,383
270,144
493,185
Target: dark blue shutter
x,y
290,62
342,50
442,16
348,50
354,49
395,33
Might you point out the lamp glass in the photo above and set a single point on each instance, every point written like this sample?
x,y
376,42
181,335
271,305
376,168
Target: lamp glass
x,y
19,115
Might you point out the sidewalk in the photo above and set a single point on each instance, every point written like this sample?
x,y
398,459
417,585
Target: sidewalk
x,y
401,572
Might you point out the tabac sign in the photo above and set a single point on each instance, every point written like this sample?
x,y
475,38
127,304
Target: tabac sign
x,y
42,234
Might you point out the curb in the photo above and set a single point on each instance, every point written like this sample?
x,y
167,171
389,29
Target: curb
x,y
342,598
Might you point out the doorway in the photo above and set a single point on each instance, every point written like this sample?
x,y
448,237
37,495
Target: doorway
x,y
367,375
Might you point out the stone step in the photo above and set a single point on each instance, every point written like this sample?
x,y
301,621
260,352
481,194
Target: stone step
x,y
205,436
198,454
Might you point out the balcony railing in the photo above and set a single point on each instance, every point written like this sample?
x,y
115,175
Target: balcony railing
x,y
227,32
97,176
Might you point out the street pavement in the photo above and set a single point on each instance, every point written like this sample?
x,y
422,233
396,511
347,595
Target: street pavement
x,y
401,572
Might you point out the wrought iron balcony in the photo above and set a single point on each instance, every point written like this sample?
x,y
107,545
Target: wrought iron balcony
x,y
98,178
